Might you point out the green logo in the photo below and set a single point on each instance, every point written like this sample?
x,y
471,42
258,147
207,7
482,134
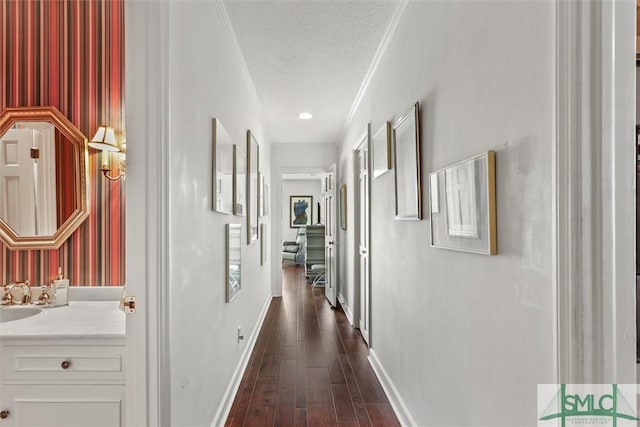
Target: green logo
x,y
589,405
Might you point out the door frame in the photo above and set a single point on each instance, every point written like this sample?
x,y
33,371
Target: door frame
x,y
364,138
147,399
594,200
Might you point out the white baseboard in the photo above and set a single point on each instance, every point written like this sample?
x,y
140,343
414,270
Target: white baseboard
x,y
230,393
347,309
403,414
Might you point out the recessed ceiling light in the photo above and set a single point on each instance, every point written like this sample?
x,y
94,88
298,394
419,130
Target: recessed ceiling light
x,y
305,116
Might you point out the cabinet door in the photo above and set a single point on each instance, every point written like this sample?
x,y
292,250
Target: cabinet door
x,y
63,405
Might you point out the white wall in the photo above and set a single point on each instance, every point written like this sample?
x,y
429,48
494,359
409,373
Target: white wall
x,y
465,338
298,187
291,158
206,81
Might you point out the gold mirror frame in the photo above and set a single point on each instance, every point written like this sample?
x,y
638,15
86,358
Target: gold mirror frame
x,y
52,115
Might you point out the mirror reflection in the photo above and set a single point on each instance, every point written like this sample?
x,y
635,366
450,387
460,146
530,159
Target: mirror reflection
x,y
234,247
222,169
42,178
239,180
27,167
406,143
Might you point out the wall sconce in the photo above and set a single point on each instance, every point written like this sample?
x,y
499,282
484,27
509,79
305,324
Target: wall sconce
x,y
105,140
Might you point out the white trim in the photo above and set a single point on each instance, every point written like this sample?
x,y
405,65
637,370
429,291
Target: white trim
x,y
346,309
594,175
147,276
562,205
398,405
619,166
230,393
382,47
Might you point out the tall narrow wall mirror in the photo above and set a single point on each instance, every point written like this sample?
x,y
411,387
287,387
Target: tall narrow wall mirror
x,y
253,190
43,178
239,181
406,157
222,169
233,260
381,150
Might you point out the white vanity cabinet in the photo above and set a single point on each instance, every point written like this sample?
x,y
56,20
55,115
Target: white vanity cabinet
x,y
62,382
64,367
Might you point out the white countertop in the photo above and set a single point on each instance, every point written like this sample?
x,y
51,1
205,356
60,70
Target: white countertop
x,y
80,319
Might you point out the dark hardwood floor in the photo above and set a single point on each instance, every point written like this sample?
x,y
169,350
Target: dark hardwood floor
x,y
309,367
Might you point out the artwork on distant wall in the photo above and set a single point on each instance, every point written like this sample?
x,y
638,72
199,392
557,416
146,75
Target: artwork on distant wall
x,y
300,211
343,206
381,150
233,260
463,205
222,182
253,189
406,144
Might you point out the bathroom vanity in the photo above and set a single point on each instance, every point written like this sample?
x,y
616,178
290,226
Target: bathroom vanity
x,y
64,366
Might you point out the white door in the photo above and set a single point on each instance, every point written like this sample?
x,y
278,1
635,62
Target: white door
x,y
27,196
17,191
330,287
363,195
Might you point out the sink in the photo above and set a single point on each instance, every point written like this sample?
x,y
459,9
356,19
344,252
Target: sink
x,y
17,312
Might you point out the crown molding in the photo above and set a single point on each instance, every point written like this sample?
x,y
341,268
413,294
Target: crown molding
x,y
235,46
382,48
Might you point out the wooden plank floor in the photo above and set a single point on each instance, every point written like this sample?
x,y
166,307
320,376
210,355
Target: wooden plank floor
x,y
309,367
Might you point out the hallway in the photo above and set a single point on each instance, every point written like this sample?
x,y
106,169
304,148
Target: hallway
x,y
309,367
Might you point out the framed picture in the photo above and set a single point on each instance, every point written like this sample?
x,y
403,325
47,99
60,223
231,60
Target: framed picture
x,y
406,157
263,244
381,150
300,211
233,268
463,205
239,181
253,189
343,206
222,180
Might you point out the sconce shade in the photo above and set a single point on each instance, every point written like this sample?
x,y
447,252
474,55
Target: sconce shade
x,y
104,139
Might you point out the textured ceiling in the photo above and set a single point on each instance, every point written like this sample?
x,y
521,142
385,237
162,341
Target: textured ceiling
x,y
308,56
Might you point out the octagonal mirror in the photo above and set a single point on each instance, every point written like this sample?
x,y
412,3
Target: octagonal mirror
x,y
43,178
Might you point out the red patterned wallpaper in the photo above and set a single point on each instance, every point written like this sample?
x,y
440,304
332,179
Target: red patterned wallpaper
x,y
70,54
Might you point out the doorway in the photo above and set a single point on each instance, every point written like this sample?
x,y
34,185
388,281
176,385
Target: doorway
x,y
307,182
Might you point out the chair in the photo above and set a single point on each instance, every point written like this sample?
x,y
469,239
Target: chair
x,y
293,252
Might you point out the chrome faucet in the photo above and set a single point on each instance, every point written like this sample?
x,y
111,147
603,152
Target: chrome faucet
x,y
7,297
